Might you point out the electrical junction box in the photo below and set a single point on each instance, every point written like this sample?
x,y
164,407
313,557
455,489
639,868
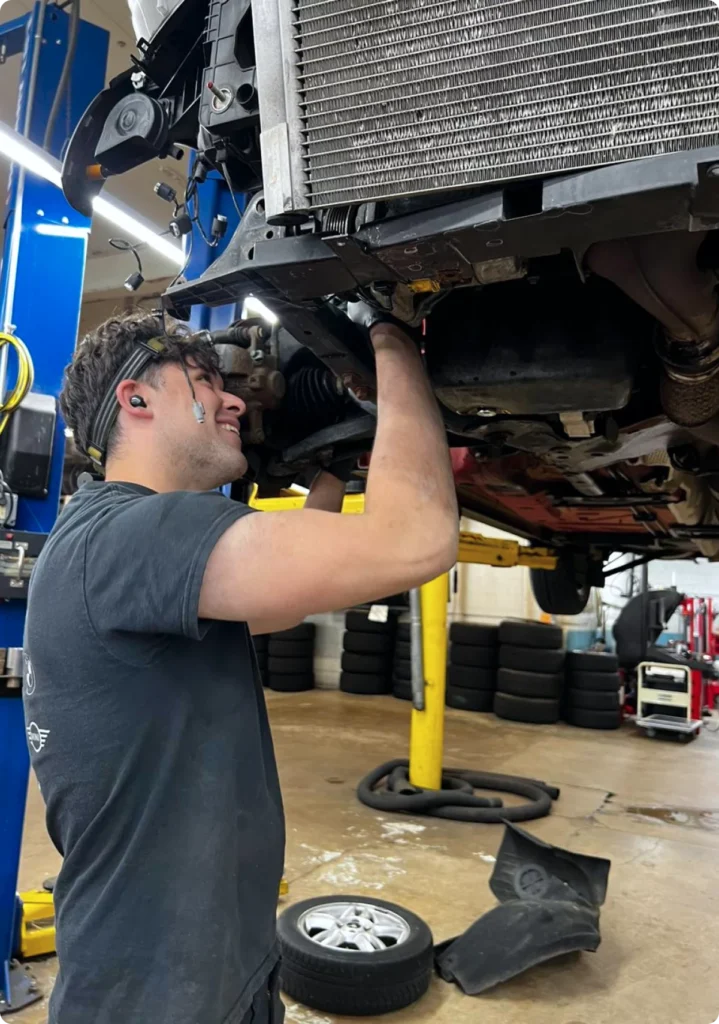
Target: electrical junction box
x,y
26,446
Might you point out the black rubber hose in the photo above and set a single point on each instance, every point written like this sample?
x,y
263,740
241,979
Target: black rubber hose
x,y
458,804
65,75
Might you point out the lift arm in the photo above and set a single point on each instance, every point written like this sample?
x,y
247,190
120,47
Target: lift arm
x,y
473,547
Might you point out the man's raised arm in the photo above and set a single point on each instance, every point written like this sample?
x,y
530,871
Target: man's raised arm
x,y
272,569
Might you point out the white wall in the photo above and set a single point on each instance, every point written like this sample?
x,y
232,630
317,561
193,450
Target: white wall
x,y
488,594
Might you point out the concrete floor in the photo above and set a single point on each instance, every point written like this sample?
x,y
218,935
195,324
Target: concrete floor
x,y
649,805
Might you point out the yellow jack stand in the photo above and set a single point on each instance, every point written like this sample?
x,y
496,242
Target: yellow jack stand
x,y
37,927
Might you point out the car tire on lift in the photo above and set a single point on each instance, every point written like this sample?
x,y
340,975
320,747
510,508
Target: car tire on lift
x,y
346,981
359,683
542,685
368,643
592,661
294,683
464,699
526,709
592,700
583,718
473,657
468,678
531,659
518,633
566,589
365,664
474,635
609,681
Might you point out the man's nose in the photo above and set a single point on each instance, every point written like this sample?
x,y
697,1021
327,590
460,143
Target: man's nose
x,y
233,404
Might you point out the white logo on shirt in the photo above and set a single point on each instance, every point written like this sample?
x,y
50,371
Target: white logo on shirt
x,y
37,736
29,676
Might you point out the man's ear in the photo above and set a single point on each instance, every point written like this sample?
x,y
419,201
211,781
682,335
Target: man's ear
x,y
132,397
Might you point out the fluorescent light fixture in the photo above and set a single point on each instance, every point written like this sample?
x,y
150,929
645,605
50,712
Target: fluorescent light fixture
x,y
34,159
126,221
253,307
61,231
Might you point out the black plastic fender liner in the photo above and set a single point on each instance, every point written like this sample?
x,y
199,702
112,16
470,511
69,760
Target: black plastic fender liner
x,y
515,936
528,867
457,799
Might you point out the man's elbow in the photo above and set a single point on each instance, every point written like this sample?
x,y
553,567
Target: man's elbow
x,y
440,550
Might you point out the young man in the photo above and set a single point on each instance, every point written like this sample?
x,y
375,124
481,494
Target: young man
x,y
145,717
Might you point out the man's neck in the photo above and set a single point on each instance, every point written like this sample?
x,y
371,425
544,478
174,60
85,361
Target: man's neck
x,y
150,473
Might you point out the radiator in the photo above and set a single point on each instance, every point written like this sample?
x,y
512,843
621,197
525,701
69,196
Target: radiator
x,y
408,97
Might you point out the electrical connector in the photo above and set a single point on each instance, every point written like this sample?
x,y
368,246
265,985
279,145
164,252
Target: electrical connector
x,y
166,192
219,226
134,281
181,224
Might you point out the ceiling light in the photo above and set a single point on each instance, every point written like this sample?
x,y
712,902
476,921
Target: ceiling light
x,y
253,307
34,159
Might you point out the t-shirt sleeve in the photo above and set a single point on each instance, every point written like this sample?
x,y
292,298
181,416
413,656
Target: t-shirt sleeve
x,y
145,561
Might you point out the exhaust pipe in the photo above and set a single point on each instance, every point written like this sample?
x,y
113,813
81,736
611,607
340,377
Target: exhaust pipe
x,y
660,273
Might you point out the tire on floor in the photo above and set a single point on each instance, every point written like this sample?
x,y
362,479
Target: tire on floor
x,y
473,656
469,700
586,719
368,643
592,661
530,634
592,700
529,684
361,683
472,678
594,681
531,659
526,709
474,635
343,979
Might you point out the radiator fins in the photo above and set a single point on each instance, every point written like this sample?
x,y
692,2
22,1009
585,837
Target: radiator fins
x,y
412,96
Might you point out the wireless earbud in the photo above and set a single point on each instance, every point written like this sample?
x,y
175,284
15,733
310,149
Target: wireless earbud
x,y
138,403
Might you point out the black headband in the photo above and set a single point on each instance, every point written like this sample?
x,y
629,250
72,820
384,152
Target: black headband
x,y
133,367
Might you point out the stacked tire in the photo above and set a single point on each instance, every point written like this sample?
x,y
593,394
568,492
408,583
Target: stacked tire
x,y
472,672
592,693
290,659
367,651
402,664
261,643
530,680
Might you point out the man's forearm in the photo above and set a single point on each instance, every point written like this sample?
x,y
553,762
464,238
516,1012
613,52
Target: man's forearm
x,y
410,475
326,493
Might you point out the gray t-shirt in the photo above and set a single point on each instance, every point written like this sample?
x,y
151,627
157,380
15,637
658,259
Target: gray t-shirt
x,y
149,736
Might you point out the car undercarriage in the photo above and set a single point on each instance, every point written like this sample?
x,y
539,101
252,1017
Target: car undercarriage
x,y
532,189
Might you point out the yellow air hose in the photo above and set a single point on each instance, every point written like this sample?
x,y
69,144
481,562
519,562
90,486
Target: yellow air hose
x,y
24,382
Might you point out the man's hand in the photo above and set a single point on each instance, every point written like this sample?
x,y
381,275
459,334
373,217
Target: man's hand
x,y
364,315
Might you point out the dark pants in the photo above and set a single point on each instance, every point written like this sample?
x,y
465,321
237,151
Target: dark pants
x,y
267,1007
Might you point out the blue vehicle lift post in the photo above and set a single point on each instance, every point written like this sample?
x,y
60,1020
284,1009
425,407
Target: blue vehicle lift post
x,y
41,285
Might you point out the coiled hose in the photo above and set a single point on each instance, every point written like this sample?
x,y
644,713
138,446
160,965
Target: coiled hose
x,y
25,378
456,799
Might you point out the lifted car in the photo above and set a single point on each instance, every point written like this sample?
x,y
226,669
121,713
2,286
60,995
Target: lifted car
x,y
532,187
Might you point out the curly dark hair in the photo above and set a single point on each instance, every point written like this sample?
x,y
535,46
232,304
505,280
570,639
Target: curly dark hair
x,y
101,354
